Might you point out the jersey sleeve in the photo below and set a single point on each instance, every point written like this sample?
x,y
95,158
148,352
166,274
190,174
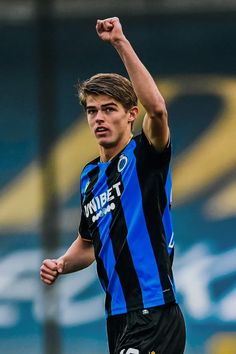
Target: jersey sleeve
x,y
158,158
83,226
83,229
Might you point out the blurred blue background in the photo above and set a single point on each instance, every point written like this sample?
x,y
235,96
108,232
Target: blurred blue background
x,y
44,142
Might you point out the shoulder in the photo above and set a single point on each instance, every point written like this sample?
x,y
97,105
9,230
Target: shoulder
x,y
148,151
90,165
87,173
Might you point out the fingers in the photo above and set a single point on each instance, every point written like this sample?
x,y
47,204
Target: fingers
x,y
48,271
106,24
60,265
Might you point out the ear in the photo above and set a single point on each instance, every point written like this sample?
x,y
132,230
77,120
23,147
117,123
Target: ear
x,y
133,113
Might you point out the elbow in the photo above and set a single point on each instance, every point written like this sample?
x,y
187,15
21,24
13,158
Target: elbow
x,y
159,111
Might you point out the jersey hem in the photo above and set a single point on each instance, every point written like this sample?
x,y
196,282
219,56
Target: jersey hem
x,y
124,311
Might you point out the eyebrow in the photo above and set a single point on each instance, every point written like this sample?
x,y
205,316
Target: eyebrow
x,y
104,105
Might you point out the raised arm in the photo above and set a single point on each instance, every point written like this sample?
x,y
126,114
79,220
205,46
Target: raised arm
x,y
155,123
78,256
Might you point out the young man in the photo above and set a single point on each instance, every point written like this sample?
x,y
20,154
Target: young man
x,y
125,199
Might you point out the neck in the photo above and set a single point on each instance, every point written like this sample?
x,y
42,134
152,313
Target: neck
x,y
107,154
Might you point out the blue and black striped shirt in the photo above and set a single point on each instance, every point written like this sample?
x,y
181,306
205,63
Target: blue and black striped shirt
x,y
126,214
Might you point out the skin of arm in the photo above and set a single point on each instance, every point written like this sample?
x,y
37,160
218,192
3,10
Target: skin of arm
x,y
155,123
78,256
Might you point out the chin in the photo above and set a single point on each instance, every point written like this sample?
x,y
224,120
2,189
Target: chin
x,y
105,143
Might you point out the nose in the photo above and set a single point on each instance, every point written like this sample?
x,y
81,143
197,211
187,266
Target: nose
x,y
99,116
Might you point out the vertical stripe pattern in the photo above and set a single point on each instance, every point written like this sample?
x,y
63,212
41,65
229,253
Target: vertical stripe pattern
x,y
118,234
126,214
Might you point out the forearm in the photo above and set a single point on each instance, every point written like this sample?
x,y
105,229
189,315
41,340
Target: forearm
x,y
143,83
155,123
78,256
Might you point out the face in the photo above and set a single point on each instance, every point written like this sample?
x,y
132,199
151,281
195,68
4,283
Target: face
x,y
108,120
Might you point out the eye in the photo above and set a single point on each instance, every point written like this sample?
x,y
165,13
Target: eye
x,y
109,109
91,111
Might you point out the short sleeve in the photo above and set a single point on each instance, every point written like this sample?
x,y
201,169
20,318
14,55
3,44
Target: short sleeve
x,y
149,153
83,228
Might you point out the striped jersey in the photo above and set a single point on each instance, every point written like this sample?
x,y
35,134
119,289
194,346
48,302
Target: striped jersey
x,y
125,207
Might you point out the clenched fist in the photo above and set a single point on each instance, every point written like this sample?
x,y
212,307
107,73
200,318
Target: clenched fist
x,y
50,270
110,30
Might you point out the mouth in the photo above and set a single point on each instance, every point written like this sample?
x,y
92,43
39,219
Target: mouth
x,y
100,130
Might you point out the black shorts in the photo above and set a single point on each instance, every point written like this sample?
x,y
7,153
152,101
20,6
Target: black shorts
x,y
159,330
